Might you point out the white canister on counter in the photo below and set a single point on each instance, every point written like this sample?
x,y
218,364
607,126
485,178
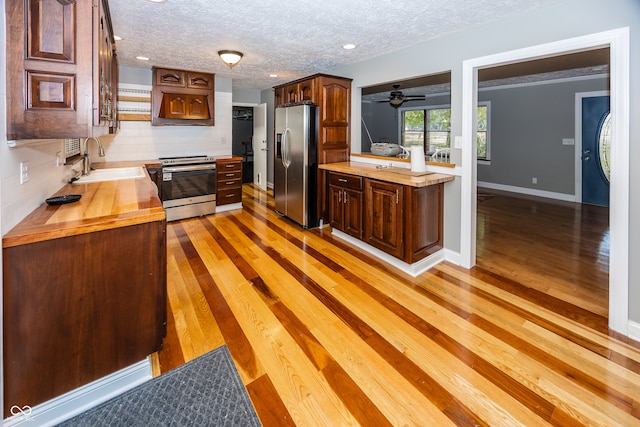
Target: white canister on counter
x,y
418,163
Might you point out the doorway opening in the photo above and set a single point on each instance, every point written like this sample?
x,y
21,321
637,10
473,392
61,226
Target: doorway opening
x,y
618,43
242,140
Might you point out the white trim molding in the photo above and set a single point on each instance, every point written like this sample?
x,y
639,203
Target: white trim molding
x,y
527,191
618,42
414,270
77,401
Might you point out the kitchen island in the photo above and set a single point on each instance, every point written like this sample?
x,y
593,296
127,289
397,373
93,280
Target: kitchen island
x,y
390,212
84,289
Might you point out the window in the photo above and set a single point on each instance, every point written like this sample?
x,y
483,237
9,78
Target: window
x,y
604,147
433,125
482,130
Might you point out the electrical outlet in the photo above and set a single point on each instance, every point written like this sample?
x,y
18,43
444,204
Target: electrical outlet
x,y
534,180
24,172
568,141
223,140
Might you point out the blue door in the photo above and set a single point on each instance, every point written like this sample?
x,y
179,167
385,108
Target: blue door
x,y
595,150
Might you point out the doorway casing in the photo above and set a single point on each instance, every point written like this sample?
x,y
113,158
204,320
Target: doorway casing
x,y
618,42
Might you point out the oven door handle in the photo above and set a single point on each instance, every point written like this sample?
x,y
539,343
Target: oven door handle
x,y
188,168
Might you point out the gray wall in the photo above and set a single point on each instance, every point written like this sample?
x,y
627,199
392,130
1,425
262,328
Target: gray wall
x,y
564,20
527,127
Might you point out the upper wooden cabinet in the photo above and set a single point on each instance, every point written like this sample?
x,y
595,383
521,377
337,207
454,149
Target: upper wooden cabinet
x,y
181,97
332,95
58,84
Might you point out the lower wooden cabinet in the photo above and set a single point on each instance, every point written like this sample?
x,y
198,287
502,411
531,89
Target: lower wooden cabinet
x,y
229,181
82,307
384,223
403,221
345,203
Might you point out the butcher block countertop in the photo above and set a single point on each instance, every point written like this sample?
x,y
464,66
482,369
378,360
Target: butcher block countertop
x,y
104,205
390,174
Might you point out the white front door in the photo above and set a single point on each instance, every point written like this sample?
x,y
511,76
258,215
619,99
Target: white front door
x,y
260,146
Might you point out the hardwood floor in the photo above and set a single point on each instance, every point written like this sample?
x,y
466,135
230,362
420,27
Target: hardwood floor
x,y
554,247
324,335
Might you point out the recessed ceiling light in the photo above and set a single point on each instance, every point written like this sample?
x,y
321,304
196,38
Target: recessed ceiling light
x,y
349,46
117,38
157,1
142,58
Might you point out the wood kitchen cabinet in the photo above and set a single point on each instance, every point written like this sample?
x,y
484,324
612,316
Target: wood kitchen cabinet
x,y
332,95
81,307
182,97
229,181
62,82
155,173
346,203
402,220
384,222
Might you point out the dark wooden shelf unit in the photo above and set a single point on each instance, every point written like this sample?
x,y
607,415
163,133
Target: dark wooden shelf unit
x,y
182,97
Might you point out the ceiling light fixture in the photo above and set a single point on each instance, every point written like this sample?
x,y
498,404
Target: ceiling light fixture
x,y
157,1
230,57
117,38
142,58
349,46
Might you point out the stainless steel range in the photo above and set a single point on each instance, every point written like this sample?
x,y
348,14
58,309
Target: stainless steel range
x,y
188,186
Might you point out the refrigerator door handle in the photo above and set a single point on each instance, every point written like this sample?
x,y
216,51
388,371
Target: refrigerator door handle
x,y
286,160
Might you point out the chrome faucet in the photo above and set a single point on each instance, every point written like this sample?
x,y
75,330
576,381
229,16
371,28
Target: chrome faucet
x,y
86,162
405,151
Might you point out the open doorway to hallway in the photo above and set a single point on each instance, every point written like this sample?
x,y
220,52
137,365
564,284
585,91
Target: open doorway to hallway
x,y
531,226
618,41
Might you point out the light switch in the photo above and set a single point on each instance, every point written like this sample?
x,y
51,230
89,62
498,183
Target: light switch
x,y
457,142
568,141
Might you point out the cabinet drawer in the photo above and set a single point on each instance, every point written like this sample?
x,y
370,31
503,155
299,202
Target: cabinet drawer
x,y
346,181
228,195
229,183
227,175
228,166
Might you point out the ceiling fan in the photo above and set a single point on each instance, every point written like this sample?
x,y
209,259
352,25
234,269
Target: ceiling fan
x,y
396,97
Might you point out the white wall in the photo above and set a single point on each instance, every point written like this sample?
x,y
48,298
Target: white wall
x,y
141,141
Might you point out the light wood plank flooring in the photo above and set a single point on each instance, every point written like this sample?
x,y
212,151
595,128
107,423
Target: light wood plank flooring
x,y
325,335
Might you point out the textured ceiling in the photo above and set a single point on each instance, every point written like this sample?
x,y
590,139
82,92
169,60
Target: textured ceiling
x,y
290,38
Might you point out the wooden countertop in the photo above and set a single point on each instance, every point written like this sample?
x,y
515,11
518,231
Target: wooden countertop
x,y
393,174
104,205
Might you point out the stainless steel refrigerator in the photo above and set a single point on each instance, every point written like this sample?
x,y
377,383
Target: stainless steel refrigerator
x,y
296,164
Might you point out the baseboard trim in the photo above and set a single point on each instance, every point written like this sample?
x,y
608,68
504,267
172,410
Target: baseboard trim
x,y
414,270
229,207
528,191
634,330
70,404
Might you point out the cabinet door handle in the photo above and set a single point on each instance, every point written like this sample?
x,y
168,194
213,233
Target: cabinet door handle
x,y
345,197
397,196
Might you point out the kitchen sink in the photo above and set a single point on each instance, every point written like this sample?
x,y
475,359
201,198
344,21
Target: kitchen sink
x,y
111,174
